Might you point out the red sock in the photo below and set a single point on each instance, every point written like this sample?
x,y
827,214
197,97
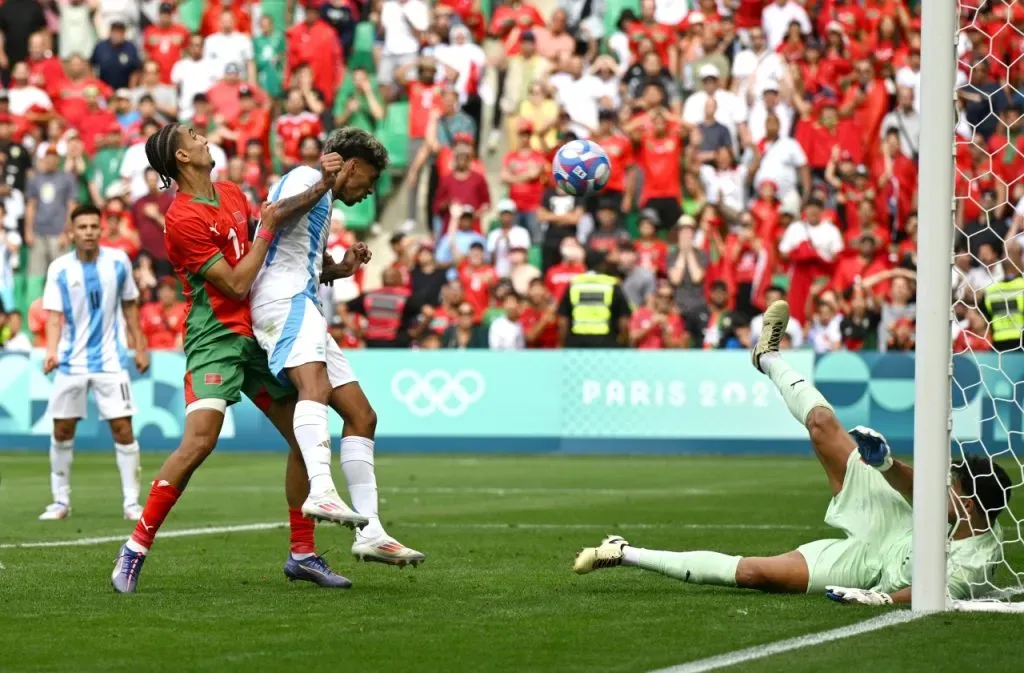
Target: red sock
x,y
159,503
301,532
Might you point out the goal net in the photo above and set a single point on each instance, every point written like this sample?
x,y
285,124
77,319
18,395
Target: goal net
x,y
979,44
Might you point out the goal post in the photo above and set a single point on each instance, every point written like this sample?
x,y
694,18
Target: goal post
x,y
933,365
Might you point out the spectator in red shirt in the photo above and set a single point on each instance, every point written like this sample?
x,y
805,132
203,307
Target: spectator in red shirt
x,y
867,262
820,133
619,148
225,96
291,127
974,336
211,20
559,276
118,229
95,122
652,252
866,100
511,20
523,172
45,69
252,123
424,97
163,321
70,92
540,317
657,326
314,43
461,189
477,278
165,41
659,158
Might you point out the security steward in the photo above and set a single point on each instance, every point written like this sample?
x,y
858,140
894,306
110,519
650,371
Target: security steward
x,y
594,311
1002,303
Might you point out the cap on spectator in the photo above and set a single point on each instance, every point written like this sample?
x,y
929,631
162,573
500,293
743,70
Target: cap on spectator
x,y
771,84
835,27
528,36
123,93
650,214
709,70
694,19
233,69
166,7
507,206
525,126
244,92
463,138
686,221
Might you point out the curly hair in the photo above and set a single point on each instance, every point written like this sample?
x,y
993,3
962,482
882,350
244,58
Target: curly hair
x,y
355,143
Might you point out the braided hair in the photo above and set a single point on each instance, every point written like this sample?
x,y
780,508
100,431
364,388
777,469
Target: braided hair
x,y
160,149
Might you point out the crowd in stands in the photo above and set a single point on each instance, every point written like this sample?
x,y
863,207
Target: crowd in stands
x,y
761,149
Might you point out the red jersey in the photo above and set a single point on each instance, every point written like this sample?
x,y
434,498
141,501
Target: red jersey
x,y
969,341
252,125
653,254
509,23
767,220
200,233
291,129
92,125
654,335
225,97
165,46
817,142
662,37
559,276
526,195
870,111
548,337
162,327
70,97
122,243
851,268
210,23
47,74
477,282
660,160
423,98
619,149
748,14
318,47
445,163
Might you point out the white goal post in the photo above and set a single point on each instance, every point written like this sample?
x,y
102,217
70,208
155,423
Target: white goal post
x,y
935,436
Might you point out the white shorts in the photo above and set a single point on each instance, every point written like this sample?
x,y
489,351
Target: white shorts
x,y
112,392
293,332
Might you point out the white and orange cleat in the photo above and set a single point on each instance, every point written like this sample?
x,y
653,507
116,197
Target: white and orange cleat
x,y
385,549
607,555
55,512
328,506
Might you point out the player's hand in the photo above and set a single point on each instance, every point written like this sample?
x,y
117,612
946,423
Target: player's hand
x,y
872,447
331,164
49,362
354,256
268,216
142,360
859,596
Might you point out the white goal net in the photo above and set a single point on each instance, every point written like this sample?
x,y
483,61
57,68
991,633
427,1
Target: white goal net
x,y
987,373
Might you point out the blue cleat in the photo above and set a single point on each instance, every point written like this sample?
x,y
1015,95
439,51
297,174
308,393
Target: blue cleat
x,y
314,569
127,567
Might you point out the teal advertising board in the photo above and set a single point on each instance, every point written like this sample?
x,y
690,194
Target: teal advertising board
x,y
562,401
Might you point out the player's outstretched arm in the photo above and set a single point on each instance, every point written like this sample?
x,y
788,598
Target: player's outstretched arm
x,y
874,451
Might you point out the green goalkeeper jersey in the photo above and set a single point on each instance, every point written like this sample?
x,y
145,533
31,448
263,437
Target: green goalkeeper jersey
x,y
969,565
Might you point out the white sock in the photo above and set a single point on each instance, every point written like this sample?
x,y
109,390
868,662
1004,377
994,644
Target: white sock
x,y
136,547
302,557
357,464
797,392
128,465
310,425
61,455
696,567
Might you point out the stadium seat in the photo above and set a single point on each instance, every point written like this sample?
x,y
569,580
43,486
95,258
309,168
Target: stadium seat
x,y
612,10
190,13
359,216
362,47
534,256
395,134
275,9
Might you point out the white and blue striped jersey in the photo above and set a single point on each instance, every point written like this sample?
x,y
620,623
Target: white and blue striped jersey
x,y
89,295
296,255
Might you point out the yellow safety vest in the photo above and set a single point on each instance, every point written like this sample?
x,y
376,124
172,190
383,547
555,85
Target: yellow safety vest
x,y
591,297
1005,303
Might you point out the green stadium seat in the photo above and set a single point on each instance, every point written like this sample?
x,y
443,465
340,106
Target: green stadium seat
x,y
277,10
612,10
385,185
190,13
534,256
359,216
395,133
362,47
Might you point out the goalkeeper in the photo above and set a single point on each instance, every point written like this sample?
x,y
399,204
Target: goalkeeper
x,y
871,491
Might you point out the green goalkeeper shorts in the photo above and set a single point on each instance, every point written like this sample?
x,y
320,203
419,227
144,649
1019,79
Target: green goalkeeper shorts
x,y
873,515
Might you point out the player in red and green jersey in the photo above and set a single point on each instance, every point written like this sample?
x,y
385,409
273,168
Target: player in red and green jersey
x,y
207,234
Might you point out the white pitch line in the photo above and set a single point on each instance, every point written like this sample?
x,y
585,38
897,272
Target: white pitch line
x,y
484,525
800,642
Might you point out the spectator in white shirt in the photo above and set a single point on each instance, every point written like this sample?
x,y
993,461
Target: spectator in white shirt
x,y
731,111
782,161
403,22
907,122
578,93
229,46
10,247
753,68
19,341
193,74
505,333
506,238
23,95
824,334
777,16
770,102
726,183
910,75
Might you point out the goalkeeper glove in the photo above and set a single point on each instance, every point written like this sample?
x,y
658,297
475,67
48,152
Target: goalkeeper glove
x,y
873,448
860,596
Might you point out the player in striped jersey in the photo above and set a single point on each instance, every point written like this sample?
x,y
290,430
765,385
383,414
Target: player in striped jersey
x,y
89,288
289,324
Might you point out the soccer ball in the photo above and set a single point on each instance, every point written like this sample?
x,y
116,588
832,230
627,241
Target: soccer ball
x,y
581,167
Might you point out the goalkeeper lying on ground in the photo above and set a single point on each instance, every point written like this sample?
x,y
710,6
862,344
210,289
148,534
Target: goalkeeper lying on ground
x,y
870,490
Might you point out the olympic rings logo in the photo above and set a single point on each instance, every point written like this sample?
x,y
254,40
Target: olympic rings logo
x,y
437,391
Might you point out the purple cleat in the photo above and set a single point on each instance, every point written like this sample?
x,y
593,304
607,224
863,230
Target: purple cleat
x,y
127,567
314,569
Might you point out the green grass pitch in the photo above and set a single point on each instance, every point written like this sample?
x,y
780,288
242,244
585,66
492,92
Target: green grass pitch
x,y
496,593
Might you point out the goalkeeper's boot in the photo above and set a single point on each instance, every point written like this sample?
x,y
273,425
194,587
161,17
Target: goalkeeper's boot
x,y
127,567
608,555
56,512
328,506
385,549
776,320
314,569
132,511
